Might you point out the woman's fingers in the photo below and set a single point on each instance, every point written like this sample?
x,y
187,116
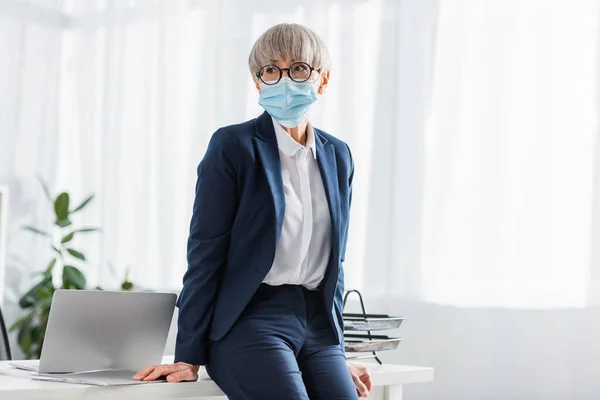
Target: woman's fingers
x,y
144,373
183,376
361,377
160,370
174,372
365,377
361,388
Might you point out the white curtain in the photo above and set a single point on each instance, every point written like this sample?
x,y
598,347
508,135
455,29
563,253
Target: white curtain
x,y
30,42
493,245
145,83
481,194
509,154
139,88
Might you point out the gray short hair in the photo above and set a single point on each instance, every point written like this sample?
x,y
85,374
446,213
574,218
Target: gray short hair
x,y
289,42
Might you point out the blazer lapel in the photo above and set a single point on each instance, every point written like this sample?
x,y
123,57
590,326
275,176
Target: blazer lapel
x,y
266,144
329,174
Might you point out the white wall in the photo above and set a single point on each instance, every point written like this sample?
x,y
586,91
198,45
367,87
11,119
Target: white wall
x,y
481,354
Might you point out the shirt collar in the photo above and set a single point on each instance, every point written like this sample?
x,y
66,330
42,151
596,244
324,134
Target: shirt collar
x,y
289,146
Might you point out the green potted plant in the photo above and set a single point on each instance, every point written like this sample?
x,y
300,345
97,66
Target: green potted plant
x,y
63,267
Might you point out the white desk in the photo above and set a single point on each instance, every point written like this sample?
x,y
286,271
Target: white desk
x,y
14,384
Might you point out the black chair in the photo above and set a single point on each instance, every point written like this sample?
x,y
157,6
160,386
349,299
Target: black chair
x,y
4,345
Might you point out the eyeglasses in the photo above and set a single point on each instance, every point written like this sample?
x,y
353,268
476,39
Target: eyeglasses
x,y
298,72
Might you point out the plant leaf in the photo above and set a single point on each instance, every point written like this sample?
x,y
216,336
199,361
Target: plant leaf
x,y
57,250
25,341
31,298
45,187
20,322
68,238
44,310
36,230
63,222
61,207
50,267
37,335
44,293
85,230
76,254
83,204
24,335
48,271
126,285
73,278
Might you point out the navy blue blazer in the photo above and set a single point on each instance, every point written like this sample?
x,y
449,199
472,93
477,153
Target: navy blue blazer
x,y
237,218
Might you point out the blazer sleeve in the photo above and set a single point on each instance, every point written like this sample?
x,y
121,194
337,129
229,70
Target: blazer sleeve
x,y
350,179
339,294
214,211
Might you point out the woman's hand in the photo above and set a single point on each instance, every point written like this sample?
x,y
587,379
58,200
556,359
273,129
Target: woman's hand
x,y
361,377
179,372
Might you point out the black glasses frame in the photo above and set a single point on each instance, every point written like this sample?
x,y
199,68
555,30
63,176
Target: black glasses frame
x,y
258,75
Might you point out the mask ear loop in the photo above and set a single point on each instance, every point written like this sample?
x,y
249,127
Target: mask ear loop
x,y
321,86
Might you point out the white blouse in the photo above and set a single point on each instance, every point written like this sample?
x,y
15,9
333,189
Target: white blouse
x,y
304,246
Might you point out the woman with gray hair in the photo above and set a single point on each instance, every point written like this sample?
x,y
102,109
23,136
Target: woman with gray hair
x,y
261,305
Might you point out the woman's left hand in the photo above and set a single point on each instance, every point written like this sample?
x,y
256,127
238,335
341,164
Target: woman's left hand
x,y
361,377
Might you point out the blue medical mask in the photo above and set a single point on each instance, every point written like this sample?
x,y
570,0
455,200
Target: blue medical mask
x,y
288,102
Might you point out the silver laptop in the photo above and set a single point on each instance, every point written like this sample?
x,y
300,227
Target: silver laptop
x,y
94,330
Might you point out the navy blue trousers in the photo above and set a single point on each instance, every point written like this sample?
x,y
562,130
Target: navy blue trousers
x,y
281,348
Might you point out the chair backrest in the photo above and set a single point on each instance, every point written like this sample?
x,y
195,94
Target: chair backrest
x,y
4,345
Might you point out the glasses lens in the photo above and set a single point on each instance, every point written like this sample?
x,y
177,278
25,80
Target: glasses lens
x,y
270,74
300,72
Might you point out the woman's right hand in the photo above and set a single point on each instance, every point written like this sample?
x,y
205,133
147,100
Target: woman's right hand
x,y
179,372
